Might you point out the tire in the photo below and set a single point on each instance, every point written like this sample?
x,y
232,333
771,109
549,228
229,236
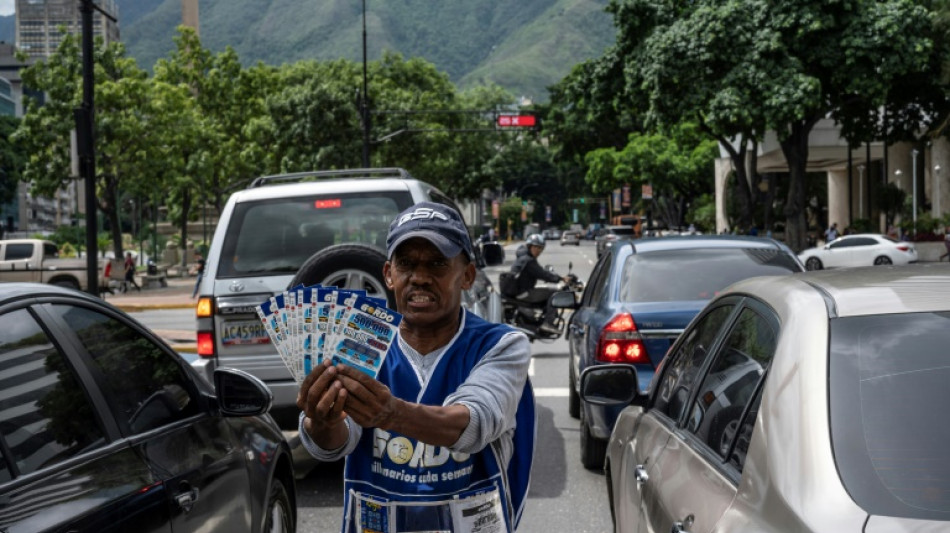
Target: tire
x,y
573,398
66,282
883,260
278,516
351,266
593,450
813,263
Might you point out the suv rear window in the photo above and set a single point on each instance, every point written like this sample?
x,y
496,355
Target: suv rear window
x,y
698,274
888,397
277,236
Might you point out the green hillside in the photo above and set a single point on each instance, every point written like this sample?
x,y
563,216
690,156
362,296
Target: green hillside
x,y
522,45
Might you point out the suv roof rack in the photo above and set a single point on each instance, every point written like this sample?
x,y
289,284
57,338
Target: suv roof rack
x,y
387,172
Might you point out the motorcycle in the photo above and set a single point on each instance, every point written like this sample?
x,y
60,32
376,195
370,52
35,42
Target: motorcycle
x,y
528,317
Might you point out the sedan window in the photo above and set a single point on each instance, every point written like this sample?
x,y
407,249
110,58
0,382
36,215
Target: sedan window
x,y
700,273
729,386
45,416
680,376
147,386
888,382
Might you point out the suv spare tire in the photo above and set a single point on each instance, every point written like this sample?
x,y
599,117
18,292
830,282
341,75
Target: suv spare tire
x,y
350,266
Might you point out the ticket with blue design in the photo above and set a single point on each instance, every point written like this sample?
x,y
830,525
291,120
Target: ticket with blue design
x,y
309,324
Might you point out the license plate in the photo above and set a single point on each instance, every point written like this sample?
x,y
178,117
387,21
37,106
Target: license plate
x,y
249,332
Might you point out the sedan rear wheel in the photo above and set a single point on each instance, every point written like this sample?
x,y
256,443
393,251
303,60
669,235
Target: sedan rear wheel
x,y
813,263
278,518
883,260
573,399
593,450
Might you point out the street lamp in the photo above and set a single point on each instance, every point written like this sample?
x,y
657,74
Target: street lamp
x,y
937,187
364,100
913,155
860,191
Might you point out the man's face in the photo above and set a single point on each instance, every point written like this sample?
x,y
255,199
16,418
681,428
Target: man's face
x,y
536,250
427,285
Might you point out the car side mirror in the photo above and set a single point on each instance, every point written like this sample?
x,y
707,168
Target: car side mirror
x,y
564,300
240,393
493,254
610,385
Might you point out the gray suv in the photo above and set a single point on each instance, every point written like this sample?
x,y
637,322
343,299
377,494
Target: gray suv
x,y
324,227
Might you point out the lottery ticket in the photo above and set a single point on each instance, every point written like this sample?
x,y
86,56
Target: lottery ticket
x,y
270,317
365,332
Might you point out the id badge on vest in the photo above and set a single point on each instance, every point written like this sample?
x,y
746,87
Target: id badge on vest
x,y
472,512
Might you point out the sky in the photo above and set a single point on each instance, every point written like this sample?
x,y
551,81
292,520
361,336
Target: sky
x,y
6,7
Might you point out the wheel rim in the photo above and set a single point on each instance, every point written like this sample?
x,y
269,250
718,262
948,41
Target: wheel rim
x,y
813,264
356,279
883,260
279,518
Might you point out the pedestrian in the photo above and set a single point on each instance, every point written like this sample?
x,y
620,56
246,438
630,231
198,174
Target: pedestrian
x,y
200,272
831,233
946,243
443,438
130,272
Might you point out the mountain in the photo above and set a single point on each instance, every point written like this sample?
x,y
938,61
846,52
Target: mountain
x,y
522,45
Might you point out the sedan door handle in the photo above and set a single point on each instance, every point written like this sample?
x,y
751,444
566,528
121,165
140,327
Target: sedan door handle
x,y
640,473
682,527
186,499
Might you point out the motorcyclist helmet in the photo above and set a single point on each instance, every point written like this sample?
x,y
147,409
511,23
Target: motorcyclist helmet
x,y
535,239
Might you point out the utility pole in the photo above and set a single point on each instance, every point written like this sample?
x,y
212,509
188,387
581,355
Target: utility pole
x,y
86,141
364,101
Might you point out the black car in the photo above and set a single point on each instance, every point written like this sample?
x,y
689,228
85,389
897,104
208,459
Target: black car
x,y
104,428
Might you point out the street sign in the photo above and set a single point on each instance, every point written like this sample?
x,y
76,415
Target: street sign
x,y
516,121
646,192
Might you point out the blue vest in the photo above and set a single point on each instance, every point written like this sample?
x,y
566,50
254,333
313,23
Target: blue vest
x,y
390,467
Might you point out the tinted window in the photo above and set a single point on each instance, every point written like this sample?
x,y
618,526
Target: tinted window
x,y
146,386
18,251
731,383
277,236
699,273
889,394
622,232
45,416
598,282
50,250
681,374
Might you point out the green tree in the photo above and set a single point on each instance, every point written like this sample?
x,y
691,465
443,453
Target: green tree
x,y
744,67
129,126
11,164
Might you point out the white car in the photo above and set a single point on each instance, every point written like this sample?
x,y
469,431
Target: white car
x,y
861,249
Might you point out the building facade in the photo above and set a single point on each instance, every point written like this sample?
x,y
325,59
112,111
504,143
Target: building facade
x,y
38,24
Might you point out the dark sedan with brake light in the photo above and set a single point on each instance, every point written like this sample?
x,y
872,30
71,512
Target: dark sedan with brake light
x,y
640,297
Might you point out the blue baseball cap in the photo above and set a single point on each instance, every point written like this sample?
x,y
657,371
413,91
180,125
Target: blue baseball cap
x,y
437,223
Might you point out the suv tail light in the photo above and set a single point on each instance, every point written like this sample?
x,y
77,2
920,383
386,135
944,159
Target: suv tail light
x,y
620,342
205,339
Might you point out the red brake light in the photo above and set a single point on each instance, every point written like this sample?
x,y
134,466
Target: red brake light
x,y
205,344
903,247
327,204
620,342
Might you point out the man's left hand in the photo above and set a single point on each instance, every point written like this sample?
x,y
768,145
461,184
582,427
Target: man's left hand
x,y
369,403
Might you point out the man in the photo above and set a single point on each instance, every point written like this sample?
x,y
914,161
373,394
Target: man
x,y
445,434
831,233
528,271
130,272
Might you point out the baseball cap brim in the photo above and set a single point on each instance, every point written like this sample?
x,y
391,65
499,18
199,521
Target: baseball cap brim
x,y
448,248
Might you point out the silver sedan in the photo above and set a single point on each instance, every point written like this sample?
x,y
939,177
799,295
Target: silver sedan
x,y
807,402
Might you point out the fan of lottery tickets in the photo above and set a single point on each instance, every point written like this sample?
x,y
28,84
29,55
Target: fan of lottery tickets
x,y
311,324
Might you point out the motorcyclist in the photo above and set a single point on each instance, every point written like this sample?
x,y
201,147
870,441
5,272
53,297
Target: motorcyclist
x,y
528,271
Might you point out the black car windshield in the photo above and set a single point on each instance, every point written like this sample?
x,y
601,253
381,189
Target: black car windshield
x,y
277,236
888,381
697,273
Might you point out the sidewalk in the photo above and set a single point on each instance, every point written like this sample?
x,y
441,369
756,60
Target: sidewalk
x,y
177,295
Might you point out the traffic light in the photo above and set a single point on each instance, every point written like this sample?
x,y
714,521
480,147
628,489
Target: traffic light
x,y
516,121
